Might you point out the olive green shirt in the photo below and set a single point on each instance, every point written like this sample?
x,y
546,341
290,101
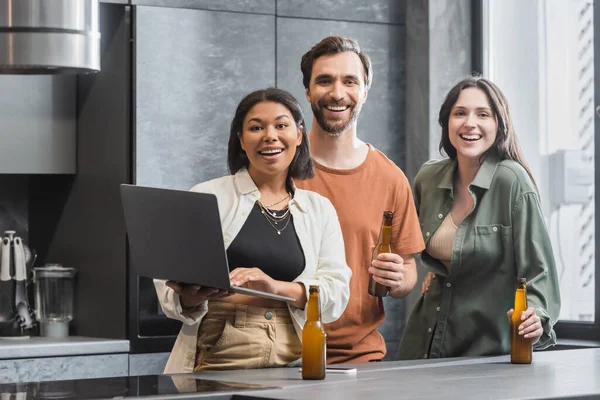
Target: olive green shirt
x,y
502,238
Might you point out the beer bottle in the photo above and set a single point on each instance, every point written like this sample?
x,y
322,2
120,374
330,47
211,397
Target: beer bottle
x,y
313,339
521,348
384,245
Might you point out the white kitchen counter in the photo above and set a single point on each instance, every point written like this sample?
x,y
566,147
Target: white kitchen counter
x,y
37,346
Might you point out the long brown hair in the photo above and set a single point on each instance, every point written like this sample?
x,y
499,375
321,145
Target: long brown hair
x,y
506,144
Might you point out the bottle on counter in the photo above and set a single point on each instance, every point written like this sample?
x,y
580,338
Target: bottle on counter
x,y
521,348
384,245
313,339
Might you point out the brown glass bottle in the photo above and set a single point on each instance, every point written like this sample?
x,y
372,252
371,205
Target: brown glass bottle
x,y
313,339
384,245
521,348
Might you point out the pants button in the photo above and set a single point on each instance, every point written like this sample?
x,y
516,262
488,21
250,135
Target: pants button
x,y
268,315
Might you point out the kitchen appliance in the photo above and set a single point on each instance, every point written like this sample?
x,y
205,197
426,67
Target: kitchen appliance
x,y
16,316
49,36
54,286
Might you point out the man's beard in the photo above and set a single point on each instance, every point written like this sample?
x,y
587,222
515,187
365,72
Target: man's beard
x,y
339,127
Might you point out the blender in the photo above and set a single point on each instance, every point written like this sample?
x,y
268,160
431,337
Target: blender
x,y
54,287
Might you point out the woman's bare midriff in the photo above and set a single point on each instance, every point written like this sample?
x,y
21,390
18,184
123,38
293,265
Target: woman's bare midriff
x,y
252,301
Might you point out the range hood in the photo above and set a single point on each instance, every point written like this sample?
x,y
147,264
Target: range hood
x,y
49,36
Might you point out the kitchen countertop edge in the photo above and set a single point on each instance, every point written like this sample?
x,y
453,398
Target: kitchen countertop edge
x,y
37,346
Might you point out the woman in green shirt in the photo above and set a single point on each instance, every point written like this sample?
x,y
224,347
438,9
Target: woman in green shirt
x,y
483,227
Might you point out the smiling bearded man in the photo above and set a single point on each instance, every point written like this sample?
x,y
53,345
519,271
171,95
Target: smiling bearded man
x,y
362,183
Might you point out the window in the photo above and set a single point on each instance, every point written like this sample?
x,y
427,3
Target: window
x,y
541,54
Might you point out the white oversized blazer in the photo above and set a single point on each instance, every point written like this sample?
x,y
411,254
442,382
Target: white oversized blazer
x,y
318,229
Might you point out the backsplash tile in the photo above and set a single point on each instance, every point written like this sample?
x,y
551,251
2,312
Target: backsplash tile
x,y
14,205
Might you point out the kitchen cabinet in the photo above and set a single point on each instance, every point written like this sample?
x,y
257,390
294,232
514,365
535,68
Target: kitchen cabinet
x,y
38,124
39,359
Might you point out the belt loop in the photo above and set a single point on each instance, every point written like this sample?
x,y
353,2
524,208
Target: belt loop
x,y
241,311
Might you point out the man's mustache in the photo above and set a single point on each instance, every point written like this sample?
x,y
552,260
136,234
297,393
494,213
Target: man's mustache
x,y
342,103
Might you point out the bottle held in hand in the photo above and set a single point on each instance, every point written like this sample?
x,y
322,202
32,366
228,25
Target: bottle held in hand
x,y
384,245
521,348
313,339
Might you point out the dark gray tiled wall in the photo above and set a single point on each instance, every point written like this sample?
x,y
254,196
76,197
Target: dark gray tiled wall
x,y
13,205
381,11
248,6
438,55
193,67
450,55
382,118
393,325
418,116
25,111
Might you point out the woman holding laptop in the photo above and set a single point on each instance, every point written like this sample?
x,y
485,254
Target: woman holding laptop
x,y
279,239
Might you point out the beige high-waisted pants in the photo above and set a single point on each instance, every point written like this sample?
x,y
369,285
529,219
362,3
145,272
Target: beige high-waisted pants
x,y
239,336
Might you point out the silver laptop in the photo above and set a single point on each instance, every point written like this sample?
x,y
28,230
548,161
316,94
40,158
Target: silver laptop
x,y
176,235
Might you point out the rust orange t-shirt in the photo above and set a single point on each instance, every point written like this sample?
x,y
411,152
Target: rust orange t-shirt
x,y
360,196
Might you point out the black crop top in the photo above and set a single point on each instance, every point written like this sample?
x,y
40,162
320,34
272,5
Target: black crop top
x,y
259,245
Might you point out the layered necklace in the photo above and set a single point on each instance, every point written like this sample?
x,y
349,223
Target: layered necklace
x,y
273,218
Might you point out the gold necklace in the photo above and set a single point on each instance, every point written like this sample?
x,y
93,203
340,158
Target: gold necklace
x,y
264,212
274,204
273,214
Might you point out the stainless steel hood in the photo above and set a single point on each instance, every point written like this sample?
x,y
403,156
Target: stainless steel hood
x,y
49,36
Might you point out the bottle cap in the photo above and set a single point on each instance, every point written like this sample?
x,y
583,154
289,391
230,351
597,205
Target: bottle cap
x,y
522,281
313,289
388,214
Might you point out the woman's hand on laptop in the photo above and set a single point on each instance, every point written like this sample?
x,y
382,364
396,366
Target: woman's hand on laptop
x,y
191,296
253,278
